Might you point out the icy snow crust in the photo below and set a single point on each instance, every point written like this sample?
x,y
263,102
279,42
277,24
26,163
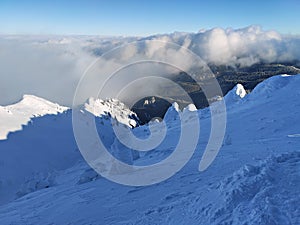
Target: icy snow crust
x,y
255,178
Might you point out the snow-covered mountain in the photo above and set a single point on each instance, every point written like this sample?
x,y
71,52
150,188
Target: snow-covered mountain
x,y
13,117
255,178
41,141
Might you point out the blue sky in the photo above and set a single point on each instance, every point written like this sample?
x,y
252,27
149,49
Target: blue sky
x,y
144,17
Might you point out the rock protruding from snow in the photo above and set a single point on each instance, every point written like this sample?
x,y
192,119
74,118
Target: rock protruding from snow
x,y
13,117
113,108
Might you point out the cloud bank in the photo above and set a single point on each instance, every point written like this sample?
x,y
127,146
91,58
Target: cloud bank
x,y
51,67
242,47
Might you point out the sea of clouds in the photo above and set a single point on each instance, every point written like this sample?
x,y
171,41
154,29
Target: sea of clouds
x,y
51,66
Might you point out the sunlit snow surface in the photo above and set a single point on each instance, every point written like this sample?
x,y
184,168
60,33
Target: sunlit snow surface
x,y
255,178
14,116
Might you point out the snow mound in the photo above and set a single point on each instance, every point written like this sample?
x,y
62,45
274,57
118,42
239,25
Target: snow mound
x,y
271,85
240,91
113,108
267,192
12,117
190,108
235,95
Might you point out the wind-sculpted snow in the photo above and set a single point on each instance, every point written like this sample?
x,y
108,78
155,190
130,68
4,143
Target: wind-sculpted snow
x,y
263,193
266,192
254,179
114,108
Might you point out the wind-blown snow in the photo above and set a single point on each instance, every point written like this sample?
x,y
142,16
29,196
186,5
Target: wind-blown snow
x,y
254,179
260,191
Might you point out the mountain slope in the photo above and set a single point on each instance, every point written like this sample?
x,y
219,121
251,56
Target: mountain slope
x,y
13,117
254,179
34,151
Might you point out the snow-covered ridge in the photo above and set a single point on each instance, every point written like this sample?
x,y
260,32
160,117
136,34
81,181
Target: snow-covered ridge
x,y
253,180
271,85
113,108
13,117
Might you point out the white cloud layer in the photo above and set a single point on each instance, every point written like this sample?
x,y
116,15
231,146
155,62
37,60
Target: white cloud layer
x,y
51,67
242,47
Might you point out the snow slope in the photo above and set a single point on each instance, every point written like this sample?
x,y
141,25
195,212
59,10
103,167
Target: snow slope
x,y
255,178
34,151
13,117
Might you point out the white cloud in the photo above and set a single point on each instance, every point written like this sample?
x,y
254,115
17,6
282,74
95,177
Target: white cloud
x,y
242,46
51,67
